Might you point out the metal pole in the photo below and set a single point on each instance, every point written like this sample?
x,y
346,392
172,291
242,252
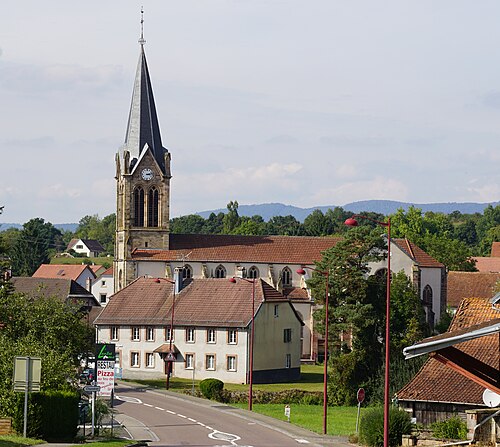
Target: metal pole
x,y
25,425
325,372
169,367
387,337
250,388
357,418
93,414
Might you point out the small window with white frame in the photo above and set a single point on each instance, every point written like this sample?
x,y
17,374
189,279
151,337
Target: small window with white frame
x,y
210,362
150,333
150,360
168,333
135,359
189,361
287,335
231,363
276,311
190,335
232,336
288,361
102,298
136,333
114,333
211,335
103,283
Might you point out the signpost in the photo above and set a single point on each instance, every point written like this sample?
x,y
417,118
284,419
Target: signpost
x,y
105,368
287,412
361,398
27,374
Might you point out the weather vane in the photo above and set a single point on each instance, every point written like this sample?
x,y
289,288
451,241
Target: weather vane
x,y
142,41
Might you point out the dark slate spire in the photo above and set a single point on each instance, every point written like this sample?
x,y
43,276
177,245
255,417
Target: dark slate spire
x,y
143,128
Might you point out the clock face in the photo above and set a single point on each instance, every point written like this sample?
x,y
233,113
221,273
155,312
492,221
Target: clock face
x,y
147,174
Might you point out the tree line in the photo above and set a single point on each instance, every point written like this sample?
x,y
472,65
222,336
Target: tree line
x,y
450,238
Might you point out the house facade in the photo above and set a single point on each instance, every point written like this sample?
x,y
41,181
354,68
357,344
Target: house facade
x,y
212,321
102,286
87,247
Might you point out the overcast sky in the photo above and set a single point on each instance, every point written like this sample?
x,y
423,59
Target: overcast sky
x,y
318,102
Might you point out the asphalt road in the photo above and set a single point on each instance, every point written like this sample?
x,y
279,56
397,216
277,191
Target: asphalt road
x,y
168,420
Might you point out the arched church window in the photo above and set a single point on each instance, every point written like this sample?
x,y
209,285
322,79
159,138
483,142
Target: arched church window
x,y
253,272
427,296
138,207
220,271
187,272
153,201
286,277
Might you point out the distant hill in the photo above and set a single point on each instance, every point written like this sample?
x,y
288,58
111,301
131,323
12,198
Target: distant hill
x,y
63,227
268,210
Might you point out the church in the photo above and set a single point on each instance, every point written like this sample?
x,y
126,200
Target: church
x,y
146,248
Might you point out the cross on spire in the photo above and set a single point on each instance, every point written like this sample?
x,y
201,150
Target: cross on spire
x,y
142,41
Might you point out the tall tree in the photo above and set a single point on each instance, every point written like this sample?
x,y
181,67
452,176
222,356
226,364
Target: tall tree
x,y
102,230
231,219
32,247
284,225
190,224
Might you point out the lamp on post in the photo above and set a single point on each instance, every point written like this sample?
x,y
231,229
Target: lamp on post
x,y
169,362
250,360
352,222
325,368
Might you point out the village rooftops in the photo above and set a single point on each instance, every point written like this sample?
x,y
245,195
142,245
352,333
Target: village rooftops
x,y
466,284
62,271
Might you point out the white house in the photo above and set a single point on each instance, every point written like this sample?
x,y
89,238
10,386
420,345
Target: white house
x,y
102,287
88,247
212,320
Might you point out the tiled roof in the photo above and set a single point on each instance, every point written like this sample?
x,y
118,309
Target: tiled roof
x,y
416,253
48,287
296,293
438,383
91,244
466,284
206,302
495,250
63,271
487,264
108,272
235,248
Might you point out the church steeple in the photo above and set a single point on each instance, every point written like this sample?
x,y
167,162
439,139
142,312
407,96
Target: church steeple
x,y
143,127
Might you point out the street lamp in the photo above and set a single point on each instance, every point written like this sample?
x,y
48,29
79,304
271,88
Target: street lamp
x,y
352,222
169,362
250,361
325,367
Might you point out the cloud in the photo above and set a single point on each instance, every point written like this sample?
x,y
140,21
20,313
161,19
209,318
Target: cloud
x,y
346,171
58,191
282,139
355,141
484,192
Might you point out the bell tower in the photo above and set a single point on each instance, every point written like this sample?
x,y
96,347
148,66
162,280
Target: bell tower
x,y
142,180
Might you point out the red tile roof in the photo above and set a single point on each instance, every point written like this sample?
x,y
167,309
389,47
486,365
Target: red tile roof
x,y
487,264
438,383
467,284
495,250
149,301
416,253
64,271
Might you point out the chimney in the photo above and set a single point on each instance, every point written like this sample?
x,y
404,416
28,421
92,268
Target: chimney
x,y
241,272
178,279
88,284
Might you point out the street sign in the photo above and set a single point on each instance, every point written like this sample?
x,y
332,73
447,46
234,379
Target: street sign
x,y
27,373
92,389
170,357
287,412
105,368
361,395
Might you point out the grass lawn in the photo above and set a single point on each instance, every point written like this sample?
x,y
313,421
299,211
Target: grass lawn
x,y
15,441
341,421
98,261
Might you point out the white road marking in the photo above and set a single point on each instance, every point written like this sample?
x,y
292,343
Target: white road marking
x,y
181,416
201,423
221,436
132,400
170,411
148,405
159,408
192,420
302,441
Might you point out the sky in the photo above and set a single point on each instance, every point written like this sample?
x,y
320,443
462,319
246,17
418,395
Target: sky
x,y
307,103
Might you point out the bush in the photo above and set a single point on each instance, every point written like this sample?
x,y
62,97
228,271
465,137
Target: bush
x,y
212,389
453,428
371,427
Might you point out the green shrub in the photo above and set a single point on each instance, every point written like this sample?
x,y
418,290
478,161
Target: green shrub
x,y
453,428
212,389
371,427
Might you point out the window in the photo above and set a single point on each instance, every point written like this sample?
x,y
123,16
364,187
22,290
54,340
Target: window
x,y
232,335
288,361
286,277
187,272
114,333
287,335
427,296
136,333
134,360
150,333
190,335
231,363
103,283
168,331
276,308
79,246
189,361
253,272
138,207
153,207
150,360
102,298
210,362
210,335
220,271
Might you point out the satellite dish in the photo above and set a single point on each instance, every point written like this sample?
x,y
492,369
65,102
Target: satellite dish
x,y
490,398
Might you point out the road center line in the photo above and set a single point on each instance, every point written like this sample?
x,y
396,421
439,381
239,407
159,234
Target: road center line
x,y
181,416
192,420
159,408
171,412
148,405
